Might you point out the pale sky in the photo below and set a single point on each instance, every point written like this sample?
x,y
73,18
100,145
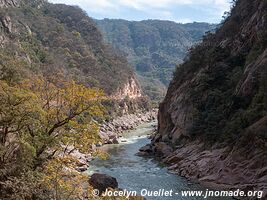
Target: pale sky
x,y
183,11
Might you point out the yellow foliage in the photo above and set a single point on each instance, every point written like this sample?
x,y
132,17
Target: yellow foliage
x,y
45,117
101,154
18,108
61,178
68,113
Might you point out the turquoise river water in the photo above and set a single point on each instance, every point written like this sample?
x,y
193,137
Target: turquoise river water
x,y
135,173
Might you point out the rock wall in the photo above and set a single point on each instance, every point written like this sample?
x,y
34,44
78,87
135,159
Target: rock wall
x,y
6,24
214,114
131,89
191,89
220,168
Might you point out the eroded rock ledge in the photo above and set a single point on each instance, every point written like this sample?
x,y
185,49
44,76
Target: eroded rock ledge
x,y
216,167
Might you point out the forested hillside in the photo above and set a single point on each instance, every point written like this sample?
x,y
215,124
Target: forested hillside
x,y
64,38
214,115
153,47
58,79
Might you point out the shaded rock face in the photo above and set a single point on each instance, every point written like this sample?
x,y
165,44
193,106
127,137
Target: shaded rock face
x,y
220,168
103,182
195,90
215,109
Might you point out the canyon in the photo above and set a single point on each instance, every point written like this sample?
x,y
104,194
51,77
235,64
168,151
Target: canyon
x,y
212,122
73,88
153,47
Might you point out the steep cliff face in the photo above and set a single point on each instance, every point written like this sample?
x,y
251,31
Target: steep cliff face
x,y
216,107
5,21
130,89
224,75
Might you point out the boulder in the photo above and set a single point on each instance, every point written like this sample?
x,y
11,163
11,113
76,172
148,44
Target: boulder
x,y
161,149
145,151
147,148
143,154
103,135
102,182
82,169
115,141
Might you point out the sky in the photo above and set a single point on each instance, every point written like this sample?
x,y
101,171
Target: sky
x,y
182,11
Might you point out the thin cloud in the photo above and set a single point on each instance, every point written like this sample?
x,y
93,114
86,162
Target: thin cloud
x,y
153,3
175,10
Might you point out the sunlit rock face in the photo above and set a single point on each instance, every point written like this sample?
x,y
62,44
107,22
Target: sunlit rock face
x,y
9,3
130,89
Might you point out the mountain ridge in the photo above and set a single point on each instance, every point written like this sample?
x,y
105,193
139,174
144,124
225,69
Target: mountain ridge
x,y
94,58
153,47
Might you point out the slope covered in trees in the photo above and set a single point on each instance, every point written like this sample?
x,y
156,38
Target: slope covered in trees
x,y
61,37
216,106
153,47
56,73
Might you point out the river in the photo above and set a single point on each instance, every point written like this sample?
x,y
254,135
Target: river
x,y
135,173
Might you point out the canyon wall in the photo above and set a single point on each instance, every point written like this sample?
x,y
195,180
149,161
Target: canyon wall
x,y
213,117
130,90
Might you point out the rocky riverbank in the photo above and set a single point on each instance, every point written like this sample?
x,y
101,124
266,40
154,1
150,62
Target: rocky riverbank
x,y
216,167
111,131
213,121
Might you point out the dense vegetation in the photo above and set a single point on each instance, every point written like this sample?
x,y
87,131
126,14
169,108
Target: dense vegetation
x,y
41,121
153,47
52,60
61,37
222,84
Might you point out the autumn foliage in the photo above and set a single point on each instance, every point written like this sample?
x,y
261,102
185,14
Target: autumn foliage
x,y
39,120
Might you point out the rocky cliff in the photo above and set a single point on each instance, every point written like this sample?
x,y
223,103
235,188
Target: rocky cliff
x,y
153,47
130,89
213,117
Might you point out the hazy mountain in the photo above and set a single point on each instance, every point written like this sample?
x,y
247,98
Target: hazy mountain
x,y
153,47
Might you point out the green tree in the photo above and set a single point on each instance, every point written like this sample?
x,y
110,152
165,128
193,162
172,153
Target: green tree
x,y
39,121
